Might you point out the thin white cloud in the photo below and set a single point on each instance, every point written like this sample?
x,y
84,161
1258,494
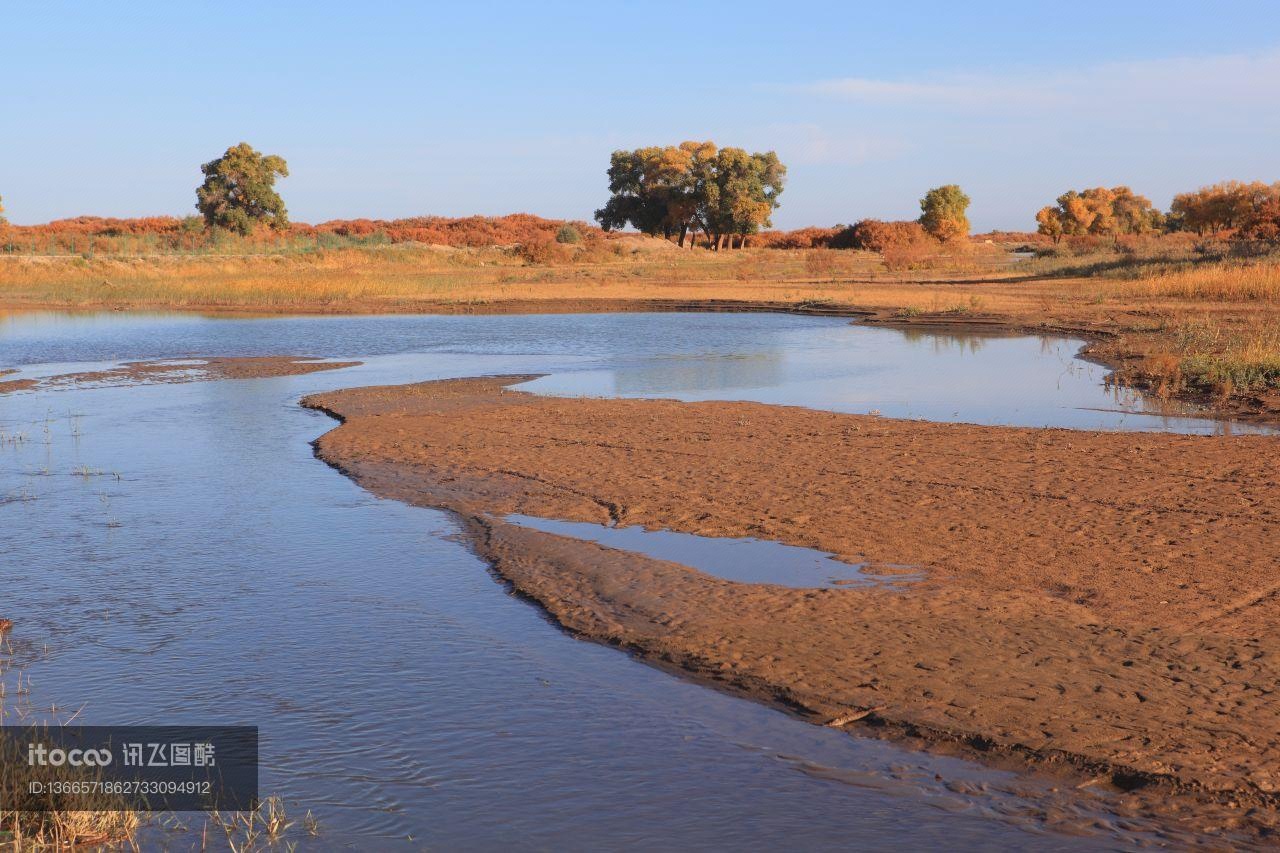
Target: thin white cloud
x,y
1193,83
864,89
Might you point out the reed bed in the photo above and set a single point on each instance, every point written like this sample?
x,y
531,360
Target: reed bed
x,y
1228,282
1229,360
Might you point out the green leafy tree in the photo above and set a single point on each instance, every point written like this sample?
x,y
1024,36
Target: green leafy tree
x,y
739,195
670,191
238,192
697,178
656,189
632,198
944,212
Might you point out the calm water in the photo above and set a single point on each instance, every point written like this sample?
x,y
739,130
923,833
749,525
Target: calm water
x,y
806,361
175,554
744,560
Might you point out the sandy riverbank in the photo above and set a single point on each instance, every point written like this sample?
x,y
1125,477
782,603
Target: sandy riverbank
x,y
1101,602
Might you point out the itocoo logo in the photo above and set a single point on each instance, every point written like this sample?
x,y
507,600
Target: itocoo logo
x,y
40,755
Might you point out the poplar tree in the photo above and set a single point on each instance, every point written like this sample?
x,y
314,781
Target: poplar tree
x,y
944,212
238,192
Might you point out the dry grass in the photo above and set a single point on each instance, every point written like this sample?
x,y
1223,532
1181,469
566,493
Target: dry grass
x,y
394,278
261,829
60,830
1226,359
1225,282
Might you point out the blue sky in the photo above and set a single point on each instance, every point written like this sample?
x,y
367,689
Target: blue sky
x,y
399,109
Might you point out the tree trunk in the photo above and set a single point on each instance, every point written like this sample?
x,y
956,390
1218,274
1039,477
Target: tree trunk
x,y
684,229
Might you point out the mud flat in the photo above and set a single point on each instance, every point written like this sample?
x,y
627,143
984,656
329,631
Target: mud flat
x,y
7,385
175,370
1103,604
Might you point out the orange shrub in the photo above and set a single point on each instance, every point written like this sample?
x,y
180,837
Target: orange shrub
x,y
541,248
801,238
876,235
1025,238
475,231
820,263
1263,223
169,233
902,245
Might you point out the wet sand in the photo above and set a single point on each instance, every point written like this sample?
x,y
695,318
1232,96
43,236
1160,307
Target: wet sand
x,y
1105,604
178,370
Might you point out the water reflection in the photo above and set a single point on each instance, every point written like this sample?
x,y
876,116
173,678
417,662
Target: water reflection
x,y
823,363
946,342
694,373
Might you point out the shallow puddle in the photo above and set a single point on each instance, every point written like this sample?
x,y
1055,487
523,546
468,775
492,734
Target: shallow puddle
x,y
744,560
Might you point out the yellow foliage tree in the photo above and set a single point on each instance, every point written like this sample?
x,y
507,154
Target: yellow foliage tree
x,y
1098,211
944,213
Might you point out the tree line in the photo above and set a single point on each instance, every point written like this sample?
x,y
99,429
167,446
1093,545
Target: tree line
x,y
728,194
1250,210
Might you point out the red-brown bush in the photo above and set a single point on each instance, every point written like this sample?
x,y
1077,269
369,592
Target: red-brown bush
x,y
86,234
876,235
801,238
902,244
540,248
474,231
1263,223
